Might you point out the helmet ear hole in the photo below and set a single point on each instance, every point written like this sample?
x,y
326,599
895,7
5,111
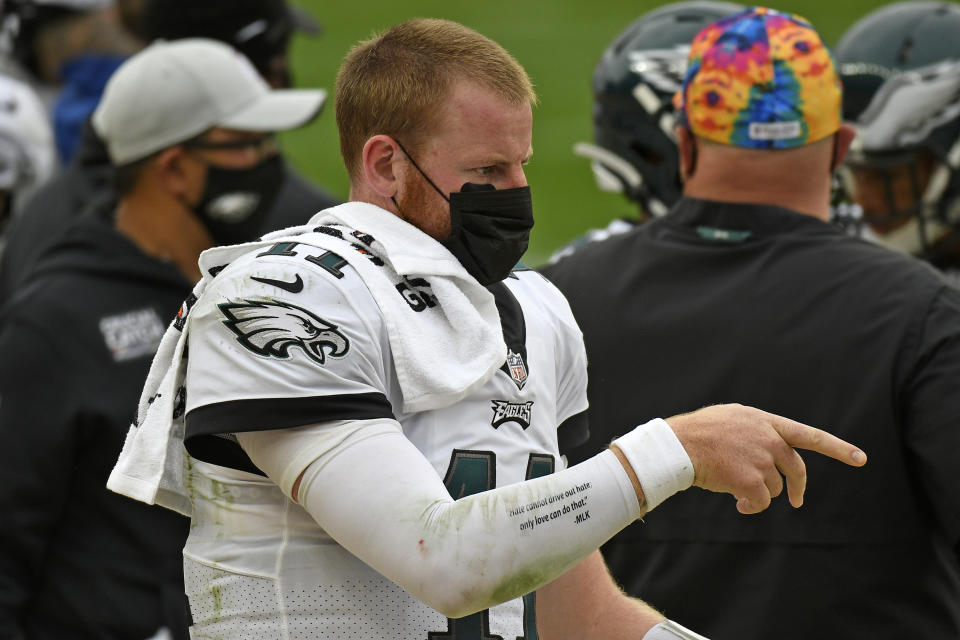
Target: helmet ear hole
x,y
649,155
634,84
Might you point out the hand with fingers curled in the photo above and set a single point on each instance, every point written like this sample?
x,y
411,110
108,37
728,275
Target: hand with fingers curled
x,y
728,448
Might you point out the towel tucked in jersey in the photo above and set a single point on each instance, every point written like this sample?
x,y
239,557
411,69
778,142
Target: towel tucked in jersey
x,y
464,346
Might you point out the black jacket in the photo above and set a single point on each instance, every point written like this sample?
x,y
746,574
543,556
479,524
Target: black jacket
x,y
89,177
76,560
767,307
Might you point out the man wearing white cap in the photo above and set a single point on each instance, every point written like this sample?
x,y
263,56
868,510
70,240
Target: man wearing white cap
x,y
262,30
188,128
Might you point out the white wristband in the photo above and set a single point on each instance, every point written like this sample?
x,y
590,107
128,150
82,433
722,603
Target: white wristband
x,y
659,460
670,630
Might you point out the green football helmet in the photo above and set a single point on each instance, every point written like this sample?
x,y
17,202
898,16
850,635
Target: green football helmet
x,y
634,150
900,67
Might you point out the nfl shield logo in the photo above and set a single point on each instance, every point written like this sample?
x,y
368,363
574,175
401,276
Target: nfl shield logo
x,y
518,371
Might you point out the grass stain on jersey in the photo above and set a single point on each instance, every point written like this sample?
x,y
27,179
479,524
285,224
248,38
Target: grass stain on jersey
x,y
188,485
217,594
221,492
441,517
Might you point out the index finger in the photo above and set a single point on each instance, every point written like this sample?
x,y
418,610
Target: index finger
x,y
803,436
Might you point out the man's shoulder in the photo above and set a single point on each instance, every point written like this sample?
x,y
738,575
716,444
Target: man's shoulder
x,y
883,263
532,288
292,281
86,265
612,253
544,306
616,227
291,268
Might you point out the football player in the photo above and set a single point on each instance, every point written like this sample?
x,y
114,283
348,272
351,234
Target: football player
x,y
376,404
900,66
634,151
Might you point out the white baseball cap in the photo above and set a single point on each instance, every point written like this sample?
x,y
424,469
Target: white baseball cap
x,y
173,91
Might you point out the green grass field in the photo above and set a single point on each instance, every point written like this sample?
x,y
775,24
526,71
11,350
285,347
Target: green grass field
x,y
558,41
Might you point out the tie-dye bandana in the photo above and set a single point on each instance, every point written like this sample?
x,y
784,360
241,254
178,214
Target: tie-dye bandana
x,y
760,79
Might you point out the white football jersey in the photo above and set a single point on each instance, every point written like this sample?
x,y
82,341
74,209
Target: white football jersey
x,y
291,336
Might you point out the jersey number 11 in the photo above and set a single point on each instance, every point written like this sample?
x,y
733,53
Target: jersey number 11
x,y
472,472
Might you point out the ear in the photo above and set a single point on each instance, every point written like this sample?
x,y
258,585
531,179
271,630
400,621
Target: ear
x,y
845,135
174,174
687,151
380,156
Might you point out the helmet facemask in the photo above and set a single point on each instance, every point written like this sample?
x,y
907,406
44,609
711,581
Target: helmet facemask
x,y
634,150
900,66
907,146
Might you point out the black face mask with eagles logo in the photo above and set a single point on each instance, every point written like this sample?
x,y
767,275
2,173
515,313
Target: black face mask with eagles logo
x,y
489,228
235,202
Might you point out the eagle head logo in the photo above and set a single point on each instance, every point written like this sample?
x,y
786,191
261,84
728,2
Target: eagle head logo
x,y
270,328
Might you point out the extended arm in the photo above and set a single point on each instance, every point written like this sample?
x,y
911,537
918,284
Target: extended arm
x,y
462,556
376,494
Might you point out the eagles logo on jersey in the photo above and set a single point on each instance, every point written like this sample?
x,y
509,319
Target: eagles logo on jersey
x,y
519,412
271,327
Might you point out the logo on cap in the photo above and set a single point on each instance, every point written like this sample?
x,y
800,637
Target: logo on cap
x,y
760,79
233,207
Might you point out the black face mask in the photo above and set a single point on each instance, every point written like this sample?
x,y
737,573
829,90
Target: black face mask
x,y
235,202
489,229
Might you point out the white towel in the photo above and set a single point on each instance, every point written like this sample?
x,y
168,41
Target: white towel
x,y
464,344
463,349
151,465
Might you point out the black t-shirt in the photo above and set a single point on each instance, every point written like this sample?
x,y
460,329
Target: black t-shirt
x,y
767,307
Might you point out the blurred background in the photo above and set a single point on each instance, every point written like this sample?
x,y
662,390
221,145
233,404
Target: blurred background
x,y
559,42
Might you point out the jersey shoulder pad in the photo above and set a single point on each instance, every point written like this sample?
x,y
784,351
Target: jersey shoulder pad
x,y
542,297
283,307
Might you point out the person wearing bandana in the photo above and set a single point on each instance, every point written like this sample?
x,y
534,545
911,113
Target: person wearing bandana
x,y
189,128
748,277
365,416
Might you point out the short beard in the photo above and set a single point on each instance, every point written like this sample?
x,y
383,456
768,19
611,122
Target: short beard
x,y
422,206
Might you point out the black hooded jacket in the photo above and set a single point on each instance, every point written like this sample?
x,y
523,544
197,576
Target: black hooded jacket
x,y
77,561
